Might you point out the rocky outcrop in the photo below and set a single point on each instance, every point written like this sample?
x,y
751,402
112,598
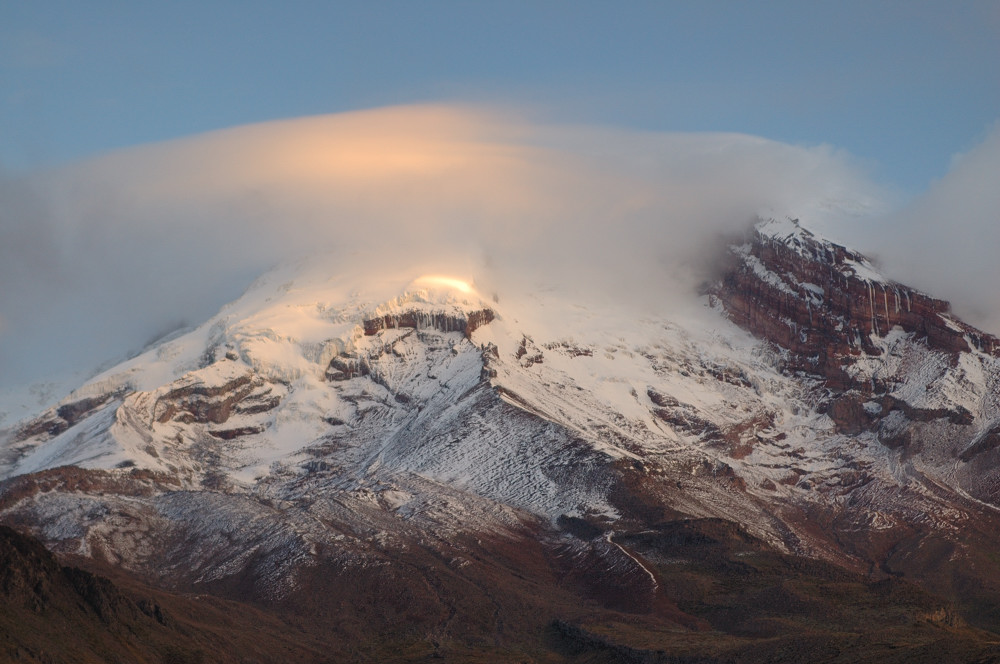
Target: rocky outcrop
x,y
235,432
890,360
201,403
344,367
194,399
827,304
853,412
444,322
56,420
347,365
682,417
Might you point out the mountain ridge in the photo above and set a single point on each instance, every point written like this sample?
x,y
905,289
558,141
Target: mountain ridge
x,y
323,423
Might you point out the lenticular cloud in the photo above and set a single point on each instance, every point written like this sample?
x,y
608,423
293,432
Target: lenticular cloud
x,y
108,253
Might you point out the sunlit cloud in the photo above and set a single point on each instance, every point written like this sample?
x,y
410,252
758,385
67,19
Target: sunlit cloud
x,y
446,282
113,251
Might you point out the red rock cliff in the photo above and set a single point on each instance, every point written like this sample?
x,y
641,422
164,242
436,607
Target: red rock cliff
x,y
827,304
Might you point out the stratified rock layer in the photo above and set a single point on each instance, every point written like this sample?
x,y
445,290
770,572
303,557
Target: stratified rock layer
x,y
825,303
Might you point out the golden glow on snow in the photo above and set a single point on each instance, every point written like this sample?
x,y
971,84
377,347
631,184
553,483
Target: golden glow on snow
x,y
447,282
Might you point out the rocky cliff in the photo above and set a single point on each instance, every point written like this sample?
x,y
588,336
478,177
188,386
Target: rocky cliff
x,y
828,304
835,317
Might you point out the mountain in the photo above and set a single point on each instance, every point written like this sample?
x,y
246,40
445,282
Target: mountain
x,y
405,468
55,613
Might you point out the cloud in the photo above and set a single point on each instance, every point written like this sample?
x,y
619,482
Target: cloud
x,y
945,242
112,251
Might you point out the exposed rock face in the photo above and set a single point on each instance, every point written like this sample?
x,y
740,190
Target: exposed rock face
x,y
853,413
889,360
827,304
56,420
444,322
346,365
199,402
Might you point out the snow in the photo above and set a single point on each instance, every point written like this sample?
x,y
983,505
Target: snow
x,y
424,436
762,272
86,446
784,229
290,323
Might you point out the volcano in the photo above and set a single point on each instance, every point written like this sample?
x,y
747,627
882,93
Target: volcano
x,y
394,466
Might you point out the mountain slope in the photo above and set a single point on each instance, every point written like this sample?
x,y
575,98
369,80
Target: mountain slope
x,y
422,452
54,613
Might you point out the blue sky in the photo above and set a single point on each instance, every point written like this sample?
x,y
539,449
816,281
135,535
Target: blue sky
x,y
901,85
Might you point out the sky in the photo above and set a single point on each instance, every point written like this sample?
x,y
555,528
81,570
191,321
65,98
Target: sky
x,y
902,84
156,158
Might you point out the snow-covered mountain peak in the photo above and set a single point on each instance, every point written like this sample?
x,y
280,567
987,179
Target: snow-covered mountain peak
x,y
339,419
782,228
374,372
789,234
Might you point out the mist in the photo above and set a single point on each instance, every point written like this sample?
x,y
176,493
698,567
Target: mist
x,y
100,257
945,241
